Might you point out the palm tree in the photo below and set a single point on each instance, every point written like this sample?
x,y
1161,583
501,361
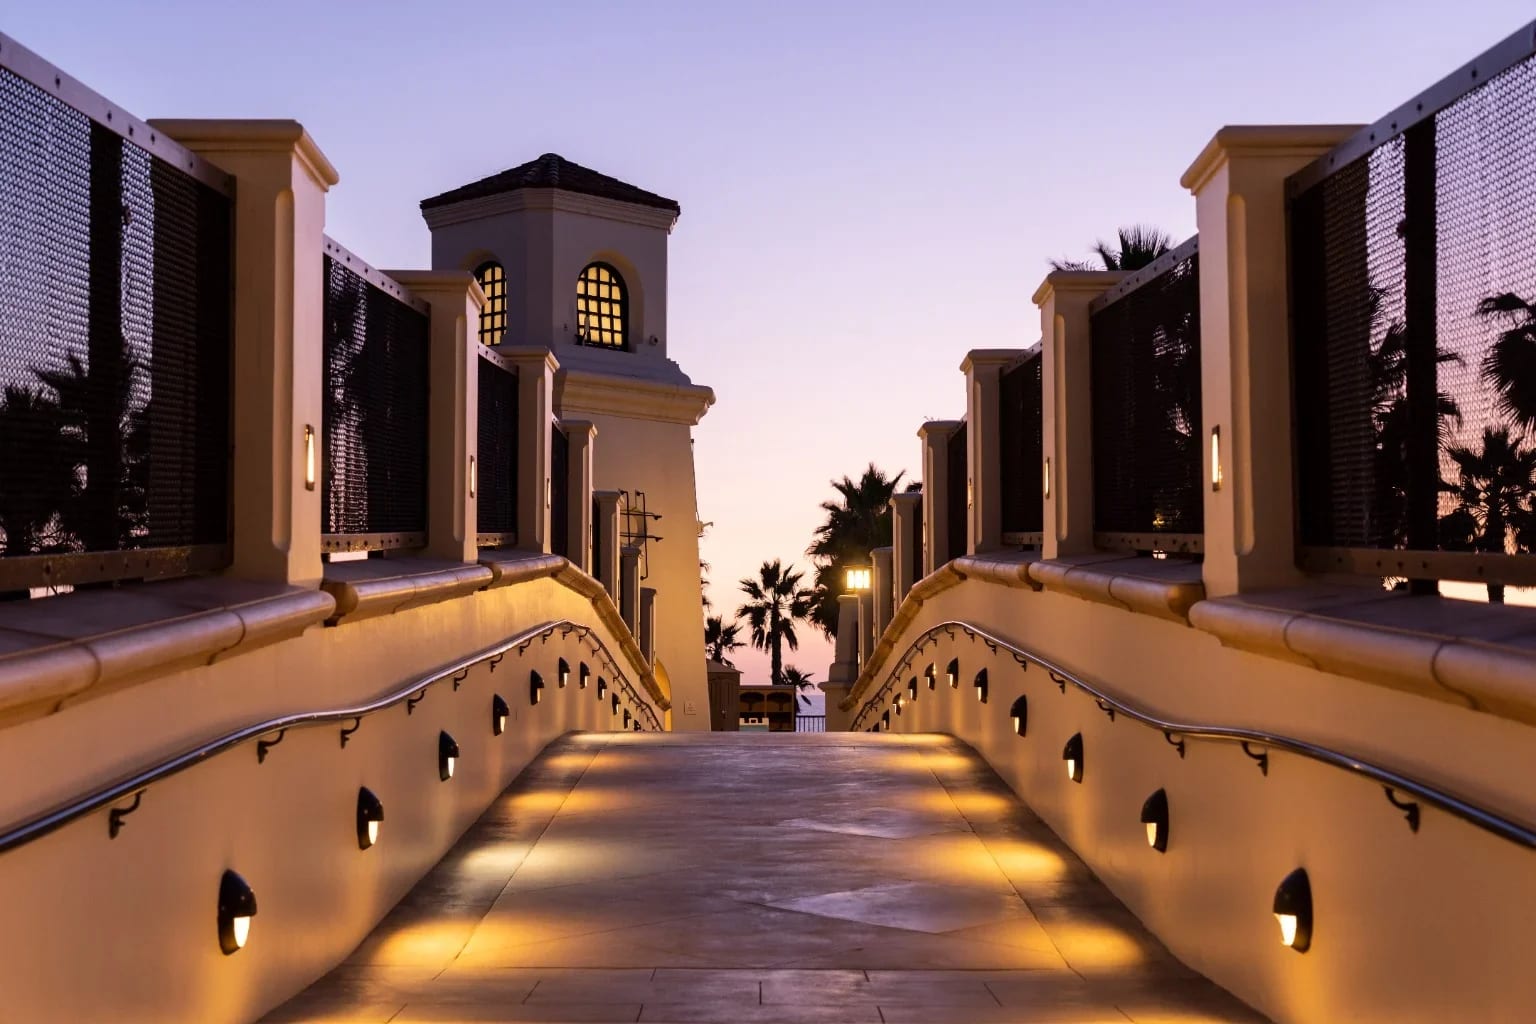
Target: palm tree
x,y
801,681
37,471
776,600
855,525
1138,246
721,639
1509,365
1494,491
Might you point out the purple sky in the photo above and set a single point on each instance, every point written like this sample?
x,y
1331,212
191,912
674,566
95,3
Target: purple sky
x,y
868,190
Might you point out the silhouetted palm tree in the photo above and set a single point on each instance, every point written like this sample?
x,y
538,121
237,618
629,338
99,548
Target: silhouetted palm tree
x,y
801,681
720,639
776,600
1138,246
1509,365
1494,490
855,525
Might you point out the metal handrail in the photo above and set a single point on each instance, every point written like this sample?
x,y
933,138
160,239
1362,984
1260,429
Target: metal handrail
x,y
49,821
1466,810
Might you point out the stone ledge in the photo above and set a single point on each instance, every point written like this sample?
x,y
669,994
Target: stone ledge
x,y
1164,588
513,566
383,586
1005,568
82,645
1459,652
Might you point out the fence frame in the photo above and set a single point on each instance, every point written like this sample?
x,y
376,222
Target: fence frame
x,y
506,538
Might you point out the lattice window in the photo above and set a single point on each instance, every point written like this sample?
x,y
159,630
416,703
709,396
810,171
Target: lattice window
x,y
602,307
493,316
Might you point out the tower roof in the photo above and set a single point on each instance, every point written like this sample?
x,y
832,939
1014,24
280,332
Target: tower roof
x,y
554,171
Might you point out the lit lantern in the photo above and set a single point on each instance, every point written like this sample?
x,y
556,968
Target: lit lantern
x,y
499,714
1154,815
237,905
1072,753
1020,713
447,756
370,814
1293,909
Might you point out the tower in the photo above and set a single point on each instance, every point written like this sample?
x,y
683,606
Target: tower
x,y
576,261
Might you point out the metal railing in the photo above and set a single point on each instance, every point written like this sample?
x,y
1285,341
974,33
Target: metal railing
x,y
115,340
496,457
1021,452
1413,315
373,452
134,785
810,723
1145,378
1179,733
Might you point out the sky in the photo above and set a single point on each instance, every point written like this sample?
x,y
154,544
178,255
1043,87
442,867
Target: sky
x,y
869,190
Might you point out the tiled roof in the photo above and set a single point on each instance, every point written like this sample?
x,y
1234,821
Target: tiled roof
x,y
554,171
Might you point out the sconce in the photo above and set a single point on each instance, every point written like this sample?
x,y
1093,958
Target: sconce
x,y
447,756
582,674
1072,753
1216,475
858,578
309,457
912,688
564,674
1020,713
1293,909
499,714
952,674
237,905
1154,815
930,675
370,813
1045,482
474,477
981,686
535,688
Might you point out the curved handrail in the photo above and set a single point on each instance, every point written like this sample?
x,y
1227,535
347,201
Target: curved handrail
x,y
1466,810
49,821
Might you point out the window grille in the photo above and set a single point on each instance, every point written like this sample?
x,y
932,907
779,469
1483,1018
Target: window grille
x,y
602,307
493,315
1021,452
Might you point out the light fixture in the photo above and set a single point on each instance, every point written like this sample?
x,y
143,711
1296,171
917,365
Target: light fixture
x,y
474,477
615,703
931,676
1045,483
535,688
897,702
565,673
981,686
309,457
1072,753
237,905
1293,909
447,756
912,688
1154,815
626,718
885,721
582,674
499,714
1020,713
1216,457
370,813
602,687
857,578
952,674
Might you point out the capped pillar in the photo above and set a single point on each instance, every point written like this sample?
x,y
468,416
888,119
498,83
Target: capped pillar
x,y
983,369
845,669
606,554
535,430
906,543
579,512
881,590
629,587
936,484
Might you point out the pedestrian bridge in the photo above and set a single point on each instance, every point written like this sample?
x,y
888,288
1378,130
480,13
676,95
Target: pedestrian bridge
x,y
734,878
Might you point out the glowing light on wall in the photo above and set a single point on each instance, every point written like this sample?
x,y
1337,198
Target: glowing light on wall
x,y
447,756
1045,482
931,675
237,905
952,674
1154,815
1293,909
1020,713
981,686
583,673
474,477
912,688
1216,475
858,578
309,457
370,815
564,674
499,714
535,688
1072,753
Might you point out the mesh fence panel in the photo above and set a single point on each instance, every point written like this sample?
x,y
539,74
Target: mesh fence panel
x,y
1145,370
1414,317
375,426
959,475
114,348
496,495
1021,447
560,491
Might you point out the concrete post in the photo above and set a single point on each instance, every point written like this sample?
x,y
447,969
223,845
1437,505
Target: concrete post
x,y
845,669
629,587
648,624
983,375
579,513
936,485
906,553
535,428
1239,186
1067,407
881,590
454,407
279,228
866,627
606,567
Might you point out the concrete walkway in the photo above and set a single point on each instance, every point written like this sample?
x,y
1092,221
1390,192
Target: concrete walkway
x,y
737,878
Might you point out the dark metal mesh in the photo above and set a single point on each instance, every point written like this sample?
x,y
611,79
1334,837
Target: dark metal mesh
x,y
1145,368
496,495
1414,319
919,548
560,492
1021,447
374,478
959,477
114,347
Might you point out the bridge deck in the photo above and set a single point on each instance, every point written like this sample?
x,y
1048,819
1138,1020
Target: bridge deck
x,y
775,878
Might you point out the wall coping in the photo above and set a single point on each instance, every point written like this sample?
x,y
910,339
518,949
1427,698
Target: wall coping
x,y
383,586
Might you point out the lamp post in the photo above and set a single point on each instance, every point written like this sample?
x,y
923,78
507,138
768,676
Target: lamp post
x,y
858,580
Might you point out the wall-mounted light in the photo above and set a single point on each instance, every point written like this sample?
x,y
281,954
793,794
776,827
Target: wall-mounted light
x,y
1072,753
1293,909
1020,714
582,674
370,815
1216,457
952,674
858,578
237,905
602,687
981,686
549,493
912,688
931,675
885,721
1154,815
447,756
309,457
626,718
1045,480
970,493
897,702
499,714
535,688
474,477
615,704
564,675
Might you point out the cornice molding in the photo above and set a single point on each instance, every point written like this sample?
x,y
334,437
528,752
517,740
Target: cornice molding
x,y
579,392
552,199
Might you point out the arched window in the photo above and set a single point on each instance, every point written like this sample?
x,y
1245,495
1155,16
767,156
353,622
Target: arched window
x,y
602,307
493,316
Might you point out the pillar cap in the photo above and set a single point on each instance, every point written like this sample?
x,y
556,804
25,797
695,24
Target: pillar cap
x,y
454,283
212,136
1269,140
529,355
1075,282
944,427
909,496
584,427
991,357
